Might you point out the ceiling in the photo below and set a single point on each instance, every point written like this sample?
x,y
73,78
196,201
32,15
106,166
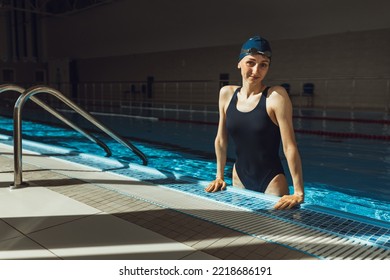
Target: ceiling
x,y
278,18
51,7
157,25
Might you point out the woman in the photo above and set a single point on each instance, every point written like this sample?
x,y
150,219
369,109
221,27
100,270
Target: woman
x,y
258,118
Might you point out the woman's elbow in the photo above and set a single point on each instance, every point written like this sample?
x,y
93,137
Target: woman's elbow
x,y
219,142
290,150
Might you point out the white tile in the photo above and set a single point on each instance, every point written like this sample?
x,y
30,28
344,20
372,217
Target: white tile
x,y
108,237
55,163
6,179
199,256
23,248
7,232
34,208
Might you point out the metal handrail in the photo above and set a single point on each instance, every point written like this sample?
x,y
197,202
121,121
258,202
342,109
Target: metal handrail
x,y
18,180
10,87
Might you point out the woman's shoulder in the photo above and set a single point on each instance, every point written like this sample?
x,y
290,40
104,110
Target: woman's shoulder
x,y
228,91
225,95
278,98
277,92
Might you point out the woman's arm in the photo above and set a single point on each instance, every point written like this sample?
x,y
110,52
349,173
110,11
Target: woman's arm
x,y
282,108
221,141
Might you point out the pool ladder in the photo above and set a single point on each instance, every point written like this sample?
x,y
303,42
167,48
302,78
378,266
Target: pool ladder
x,y
17,115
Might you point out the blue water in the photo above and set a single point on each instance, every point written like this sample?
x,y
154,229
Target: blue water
x,y
350,175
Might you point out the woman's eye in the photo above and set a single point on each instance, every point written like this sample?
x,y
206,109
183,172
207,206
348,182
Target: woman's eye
x,y
263,65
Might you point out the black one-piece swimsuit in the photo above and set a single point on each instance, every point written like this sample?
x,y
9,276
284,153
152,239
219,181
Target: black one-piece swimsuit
x,y
257,139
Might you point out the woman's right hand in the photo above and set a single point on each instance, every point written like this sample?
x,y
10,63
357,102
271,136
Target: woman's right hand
x,y
216,185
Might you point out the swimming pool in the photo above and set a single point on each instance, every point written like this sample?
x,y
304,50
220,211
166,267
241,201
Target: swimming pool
x,y
347,174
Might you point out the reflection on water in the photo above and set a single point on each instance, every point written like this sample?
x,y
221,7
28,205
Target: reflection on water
x,y
351,175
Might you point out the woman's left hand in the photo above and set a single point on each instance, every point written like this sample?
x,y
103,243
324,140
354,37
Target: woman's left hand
x,y
289,201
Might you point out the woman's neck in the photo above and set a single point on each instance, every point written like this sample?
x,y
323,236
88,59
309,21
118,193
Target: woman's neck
x,y
252,89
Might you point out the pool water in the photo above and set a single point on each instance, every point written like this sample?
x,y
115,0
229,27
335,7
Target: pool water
x,y
350,175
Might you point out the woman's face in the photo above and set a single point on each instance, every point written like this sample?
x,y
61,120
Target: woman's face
x,y
254,67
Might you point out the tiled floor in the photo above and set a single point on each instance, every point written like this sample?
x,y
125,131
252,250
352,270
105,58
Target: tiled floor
x,y
66,212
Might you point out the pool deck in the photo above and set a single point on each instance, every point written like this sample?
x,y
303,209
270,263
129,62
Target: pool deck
x,y
71,211
79,206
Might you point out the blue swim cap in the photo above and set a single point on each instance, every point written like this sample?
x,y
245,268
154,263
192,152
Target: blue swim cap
x,y
255,45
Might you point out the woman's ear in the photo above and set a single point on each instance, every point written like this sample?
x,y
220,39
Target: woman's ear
x,y
238,66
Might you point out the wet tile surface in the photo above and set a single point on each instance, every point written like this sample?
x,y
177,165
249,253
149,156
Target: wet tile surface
x,y
84,230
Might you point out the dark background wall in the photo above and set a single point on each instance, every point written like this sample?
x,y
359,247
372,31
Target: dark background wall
x,y
128,27
339,45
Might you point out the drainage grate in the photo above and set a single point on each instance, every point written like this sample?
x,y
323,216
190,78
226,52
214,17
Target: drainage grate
x,y
318,242
320,234
325,235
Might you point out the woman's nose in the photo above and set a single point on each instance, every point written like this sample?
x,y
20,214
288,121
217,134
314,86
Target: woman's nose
x,y
256,68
